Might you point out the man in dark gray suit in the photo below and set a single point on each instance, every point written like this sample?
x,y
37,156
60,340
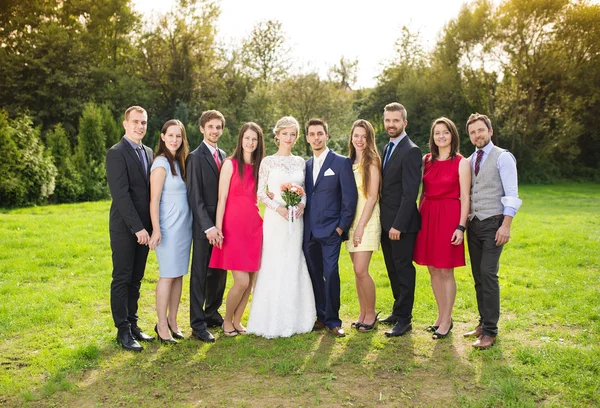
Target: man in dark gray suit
x,y
400,219
128,173
207,285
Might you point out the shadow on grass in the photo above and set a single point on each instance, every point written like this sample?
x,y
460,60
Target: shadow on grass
x,y
311,369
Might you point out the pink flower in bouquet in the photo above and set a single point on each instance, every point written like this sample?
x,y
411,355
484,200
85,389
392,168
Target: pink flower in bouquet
x,y
292,194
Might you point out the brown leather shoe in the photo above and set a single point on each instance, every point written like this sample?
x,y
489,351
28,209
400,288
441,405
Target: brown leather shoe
x,y
484,342
477,332
319,325
338,332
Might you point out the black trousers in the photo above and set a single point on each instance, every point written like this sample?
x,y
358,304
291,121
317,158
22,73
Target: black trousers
x,y
398,257
129,264
207,286
485,262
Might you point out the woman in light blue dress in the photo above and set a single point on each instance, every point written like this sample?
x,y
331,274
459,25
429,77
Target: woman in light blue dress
x,y
171,226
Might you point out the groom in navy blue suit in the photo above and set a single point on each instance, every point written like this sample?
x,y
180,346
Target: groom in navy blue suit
x,y
331,198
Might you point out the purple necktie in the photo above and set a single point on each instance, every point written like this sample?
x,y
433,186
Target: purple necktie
x,y
478,161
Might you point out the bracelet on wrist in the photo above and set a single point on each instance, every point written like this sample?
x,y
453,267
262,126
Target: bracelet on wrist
x,y
461,228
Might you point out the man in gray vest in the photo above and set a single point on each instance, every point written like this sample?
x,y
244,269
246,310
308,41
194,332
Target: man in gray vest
x,y
494,203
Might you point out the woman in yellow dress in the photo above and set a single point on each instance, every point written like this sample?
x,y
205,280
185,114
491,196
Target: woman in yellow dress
x,y
365,232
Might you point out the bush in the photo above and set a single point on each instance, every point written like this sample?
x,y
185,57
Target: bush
x,y
111,130
27,174
90,154
68,180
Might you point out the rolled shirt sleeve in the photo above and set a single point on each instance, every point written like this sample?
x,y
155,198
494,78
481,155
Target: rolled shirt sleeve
x,y
507,166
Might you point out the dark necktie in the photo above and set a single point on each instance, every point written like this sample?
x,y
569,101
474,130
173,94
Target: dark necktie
x,y
388,152
140,153
478,161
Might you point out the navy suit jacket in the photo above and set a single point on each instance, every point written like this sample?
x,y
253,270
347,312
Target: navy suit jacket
x,y
331,201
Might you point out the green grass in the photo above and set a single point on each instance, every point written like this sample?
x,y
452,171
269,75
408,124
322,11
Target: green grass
x,y
57,343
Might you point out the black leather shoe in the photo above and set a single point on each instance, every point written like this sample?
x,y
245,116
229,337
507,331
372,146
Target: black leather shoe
x,y
399,329
126,340
214,322
139,335
391,319
204,336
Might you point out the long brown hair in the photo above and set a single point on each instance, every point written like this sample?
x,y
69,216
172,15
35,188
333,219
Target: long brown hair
x,y
181,154
257,154
454,143
370,154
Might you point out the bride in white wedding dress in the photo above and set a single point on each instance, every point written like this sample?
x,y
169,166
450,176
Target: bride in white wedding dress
x,y
283,302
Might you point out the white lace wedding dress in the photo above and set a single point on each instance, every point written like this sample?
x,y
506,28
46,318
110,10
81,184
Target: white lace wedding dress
x,y
283,302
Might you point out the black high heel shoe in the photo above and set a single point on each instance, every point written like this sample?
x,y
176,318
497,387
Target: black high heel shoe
x,y
166,341
368,327
437,335
177,334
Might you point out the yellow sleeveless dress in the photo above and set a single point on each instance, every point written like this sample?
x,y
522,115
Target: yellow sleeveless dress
x,y
372,235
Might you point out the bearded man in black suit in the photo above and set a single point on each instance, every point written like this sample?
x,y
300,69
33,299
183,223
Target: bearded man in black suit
x,y
400,219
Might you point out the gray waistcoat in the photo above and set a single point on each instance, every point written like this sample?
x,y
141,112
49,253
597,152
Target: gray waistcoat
x,y
486,187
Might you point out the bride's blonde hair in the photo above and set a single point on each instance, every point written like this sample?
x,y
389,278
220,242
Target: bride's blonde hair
x,y
284,123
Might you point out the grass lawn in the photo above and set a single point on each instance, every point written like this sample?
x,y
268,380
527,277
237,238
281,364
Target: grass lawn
x,y
57,342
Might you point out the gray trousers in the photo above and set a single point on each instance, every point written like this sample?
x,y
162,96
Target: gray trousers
x,y
485,262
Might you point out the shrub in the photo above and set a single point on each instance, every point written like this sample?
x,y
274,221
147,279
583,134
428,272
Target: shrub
x,y
28,176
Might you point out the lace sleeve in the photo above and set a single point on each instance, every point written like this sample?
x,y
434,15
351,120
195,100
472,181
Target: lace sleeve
x,y
302,165
263,177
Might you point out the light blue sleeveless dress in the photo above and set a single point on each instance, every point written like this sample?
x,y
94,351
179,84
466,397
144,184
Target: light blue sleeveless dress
x,y
175,220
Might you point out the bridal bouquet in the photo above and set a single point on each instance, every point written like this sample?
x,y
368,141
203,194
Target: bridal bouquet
x,y
292,195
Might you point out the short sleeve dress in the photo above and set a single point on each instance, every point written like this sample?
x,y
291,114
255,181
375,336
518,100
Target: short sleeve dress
x,y
242,226
440,214
175,219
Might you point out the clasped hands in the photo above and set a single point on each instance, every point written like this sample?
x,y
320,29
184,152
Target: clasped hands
x,y
143,238
215,237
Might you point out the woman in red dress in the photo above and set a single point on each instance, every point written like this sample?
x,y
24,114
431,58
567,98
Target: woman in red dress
x,y
239,218
444,207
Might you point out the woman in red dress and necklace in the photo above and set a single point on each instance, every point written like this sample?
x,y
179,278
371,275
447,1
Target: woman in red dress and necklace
x,y
444,207
239,218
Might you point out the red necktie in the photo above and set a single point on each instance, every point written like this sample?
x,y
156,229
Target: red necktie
x,y
478,161
216,156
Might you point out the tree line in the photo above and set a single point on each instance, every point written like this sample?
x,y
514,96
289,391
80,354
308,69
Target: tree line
x,y
68,69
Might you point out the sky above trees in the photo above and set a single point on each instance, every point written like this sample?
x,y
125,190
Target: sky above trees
x,y
320,32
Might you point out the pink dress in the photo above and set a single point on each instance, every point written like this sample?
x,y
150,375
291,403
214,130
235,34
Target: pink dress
x,y
242,226
440,214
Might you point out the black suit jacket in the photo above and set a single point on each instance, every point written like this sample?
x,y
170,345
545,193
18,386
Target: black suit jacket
x,y
129,188
401,178
203,188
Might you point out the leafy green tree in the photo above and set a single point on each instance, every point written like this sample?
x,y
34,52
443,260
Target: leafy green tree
x,y
69,186
344,73
305,96
265,52
28,175
111,130
90,154
57,55
179,57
